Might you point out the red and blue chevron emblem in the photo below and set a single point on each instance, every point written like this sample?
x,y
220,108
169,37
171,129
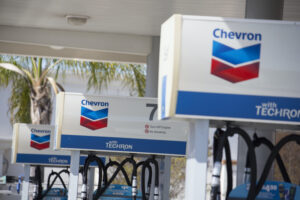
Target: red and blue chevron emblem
x,y
235,65
93,119
40,142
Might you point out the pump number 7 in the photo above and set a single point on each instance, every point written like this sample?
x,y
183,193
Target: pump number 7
x,y
154,108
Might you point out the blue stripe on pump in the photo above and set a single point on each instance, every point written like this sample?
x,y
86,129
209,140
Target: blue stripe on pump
x,y
123,144
48,159
238,106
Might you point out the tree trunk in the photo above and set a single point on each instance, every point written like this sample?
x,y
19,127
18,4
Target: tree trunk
x,y
41,105
40,112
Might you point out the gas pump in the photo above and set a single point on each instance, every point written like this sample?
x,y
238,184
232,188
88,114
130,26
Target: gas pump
x,y
117,126
32,146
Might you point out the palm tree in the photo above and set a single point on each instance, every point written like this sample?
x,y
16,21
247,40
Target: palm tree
x,y
31,80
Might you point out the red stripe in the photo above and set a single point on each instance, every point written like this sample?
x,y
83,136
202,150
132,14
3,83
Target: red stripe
x,y
39,146
232,74
93,125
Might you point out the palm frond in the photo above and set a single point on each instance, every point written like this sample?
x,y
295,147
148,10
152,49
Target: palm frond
x,y
46,71
12,67
34,68
19,101
132,76
55,86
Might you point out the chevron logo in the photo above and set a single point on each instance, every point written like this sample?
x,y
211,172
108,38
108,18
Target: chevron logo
x,y
40,142
94,119
235,65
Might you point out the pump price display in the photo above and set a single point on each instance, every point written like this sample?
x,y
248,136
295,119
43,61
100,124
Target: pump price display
x,y
33,144
229,69
116,124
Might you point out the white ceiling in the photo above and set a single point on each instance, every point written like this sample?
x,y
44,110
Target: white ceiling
x,y
121,28
142,17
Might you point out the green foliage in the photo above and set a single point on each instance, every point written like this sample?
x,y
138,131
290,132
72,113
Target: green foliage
x,y
132,76
177,176
19,102
34,73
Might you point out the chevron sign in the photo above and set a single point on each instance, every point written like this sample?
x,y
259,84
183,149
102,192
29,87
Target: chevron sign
x,y
94,119
235,65
39,140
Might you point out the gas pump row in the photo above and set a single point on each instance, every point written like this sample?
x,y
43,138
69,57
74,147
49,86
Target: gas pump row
x,y
89,126
104,187
253,187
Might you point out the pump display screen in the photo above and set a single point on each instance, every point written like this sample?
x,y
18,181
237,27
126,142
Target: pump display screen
x,y
116,124
271,190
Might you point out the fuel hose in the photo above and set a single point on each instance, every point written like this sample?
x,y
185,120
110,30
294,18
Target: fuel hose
x,y
133,178
257,141
50,185
149,183
92,158
219,140
156,178
252,158
37,194
274,153
116,164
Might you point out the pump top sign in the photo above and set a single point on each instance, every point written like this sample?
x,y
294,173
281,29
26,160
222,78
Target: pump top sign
x,y
229,69
33,144
116,124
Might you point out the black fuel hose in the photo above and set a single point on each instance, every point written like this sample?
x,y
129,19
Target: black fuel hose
x,y
133,179
228,167
219,140
57,175
149,183
218,147
156,178
274,153
252,158
92,158
38,182
115,163
257,141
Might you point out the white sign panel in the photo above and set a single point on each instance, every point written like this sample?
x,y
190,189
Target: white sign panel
x,y
33,144
116,124
230,69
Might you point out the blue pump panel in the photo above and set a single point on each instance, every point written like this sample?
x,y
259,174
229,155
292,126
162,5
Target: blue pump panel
x,y
119,192
272,190
56,194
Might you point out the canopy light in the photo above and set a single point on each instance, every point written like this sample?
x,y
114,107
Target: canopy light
x,y
77,20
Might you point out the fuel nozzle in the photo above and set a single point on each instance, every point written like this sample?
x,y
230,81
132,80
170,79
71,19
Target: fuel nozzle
x,y
35,191
134,186
84,191
156,191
